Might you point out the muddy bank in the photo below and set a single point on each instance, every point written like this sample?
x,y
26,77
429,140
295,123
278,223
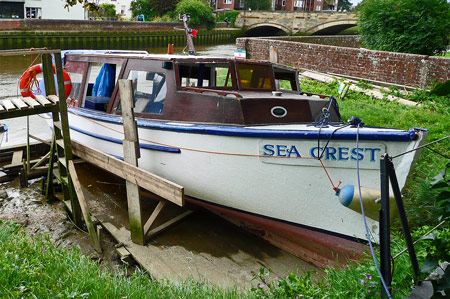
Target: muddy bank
x,y
27,208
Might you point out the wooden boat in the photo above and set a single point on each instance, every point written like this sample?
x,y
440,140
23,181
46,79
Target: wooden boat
x,y
243,140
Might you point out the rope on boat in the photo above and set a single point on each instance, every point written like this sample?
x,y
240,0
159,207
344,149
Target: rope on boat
x,y
425,145
372,252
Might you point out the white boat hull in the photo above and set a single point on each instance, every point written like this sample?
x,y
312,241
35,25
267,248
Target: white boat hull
x,y
267,176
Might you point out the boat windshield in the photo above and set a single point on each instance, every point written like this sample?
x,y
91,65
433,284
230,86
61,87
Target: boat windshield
x,y
255,76
207,75
285,80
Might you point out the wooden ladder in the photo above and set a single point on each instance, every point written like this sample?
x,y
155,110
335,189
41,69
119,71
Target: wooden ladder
x,y
61,153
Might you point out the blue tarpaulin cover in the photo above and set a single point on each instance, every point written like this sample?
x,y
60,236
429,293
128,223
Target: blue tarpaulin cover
x,y
104,83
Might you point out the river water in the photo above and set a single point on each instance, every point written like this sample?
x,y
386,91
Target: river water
x,y
13,67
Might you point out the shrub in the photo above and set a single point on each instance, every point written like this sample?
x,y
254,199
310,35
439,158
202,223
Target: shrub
x,y
230,15
408,26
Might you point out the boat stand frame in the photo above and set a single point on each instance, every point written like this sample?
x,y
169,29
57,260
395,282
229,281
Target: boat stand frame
x,y
140,231
387,173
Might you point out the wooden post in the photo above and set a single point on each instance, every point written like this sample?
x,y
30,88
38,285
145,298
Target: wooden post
x,y
130,148
84,208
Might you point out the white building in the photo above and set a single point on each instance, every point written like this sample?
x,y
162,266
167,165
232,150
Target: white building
x,y
123,7
53,9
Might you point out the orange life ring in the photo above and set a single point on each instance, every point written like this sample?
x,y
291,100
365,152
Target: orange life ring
x,y
30,74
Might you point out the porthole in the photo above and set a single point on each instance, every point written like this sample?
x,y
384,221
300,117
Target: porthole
x,y
278,112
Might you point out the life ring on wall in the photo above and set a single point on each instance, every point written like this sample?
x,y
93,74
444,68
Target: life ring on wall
x,y
30,75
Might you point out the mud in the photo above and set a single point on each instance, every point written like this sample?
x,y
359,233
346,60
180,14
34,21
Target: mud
x,y
27,207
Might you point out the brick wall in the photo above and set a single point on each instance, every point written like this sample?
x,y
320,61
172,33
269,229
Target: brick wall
x,y
398,68
352,41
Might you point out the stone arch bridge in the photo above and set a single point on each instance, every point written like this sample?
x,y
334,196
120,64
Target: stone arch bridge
x,y
292,22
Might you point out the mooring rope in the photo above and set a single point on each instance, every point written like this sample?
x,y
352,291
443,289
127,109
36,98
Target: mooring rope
x,y
420,147
372,252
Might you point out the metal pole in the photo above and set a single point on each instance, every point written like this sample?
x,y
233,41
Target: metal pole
x,y
385,238
188,36
403,219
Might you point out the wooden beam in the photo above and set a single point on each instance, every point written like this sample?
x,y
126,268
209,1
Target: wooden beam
x,y
17,159
153,216
31,102
19,103
153,183
42,100
168,224
84,208
47,142
8,105
27,52
130,146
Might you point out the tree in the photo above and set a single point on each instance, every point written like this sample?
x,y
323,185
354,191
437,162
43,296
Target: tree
x,y
200,12
257,4
107,10
408,26
152,8
344,5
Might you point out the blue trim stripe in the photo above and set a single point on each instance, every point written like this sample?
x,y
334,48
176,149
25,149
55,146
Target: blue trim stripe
x,y
119,141
398,135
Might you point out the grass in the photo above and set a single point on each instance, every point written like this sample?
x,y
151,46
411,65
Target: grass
x,y
35,268
354,281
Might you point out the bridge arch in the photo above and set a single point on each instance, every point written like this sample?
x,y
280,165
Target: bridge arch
x,y
267,29
330,28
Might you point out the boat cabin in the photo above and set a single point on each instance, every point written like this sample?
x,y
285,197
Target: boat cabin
x,y
194,89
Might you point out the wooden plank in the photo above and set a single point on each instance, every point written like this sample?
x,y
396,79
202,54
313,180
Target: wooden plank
x,y
124,255
84,208
168,224
130,147
43,101
53,98
19,113
8,105
20,104
27,52
31,102
153,183
153,216
17,158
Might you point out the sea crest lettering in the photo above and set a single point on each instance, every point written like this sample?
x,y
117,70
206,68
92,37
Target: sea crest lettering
x,y
330,153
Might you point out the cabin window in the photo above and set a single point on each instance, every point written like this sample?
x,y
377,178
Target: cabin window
x,y
75,78
209,75
101,81
255,76
285,79
75,70
150,91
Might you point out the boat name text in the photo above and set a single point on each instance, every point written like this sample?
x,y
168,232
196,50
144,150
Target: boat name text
x,y
330,153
